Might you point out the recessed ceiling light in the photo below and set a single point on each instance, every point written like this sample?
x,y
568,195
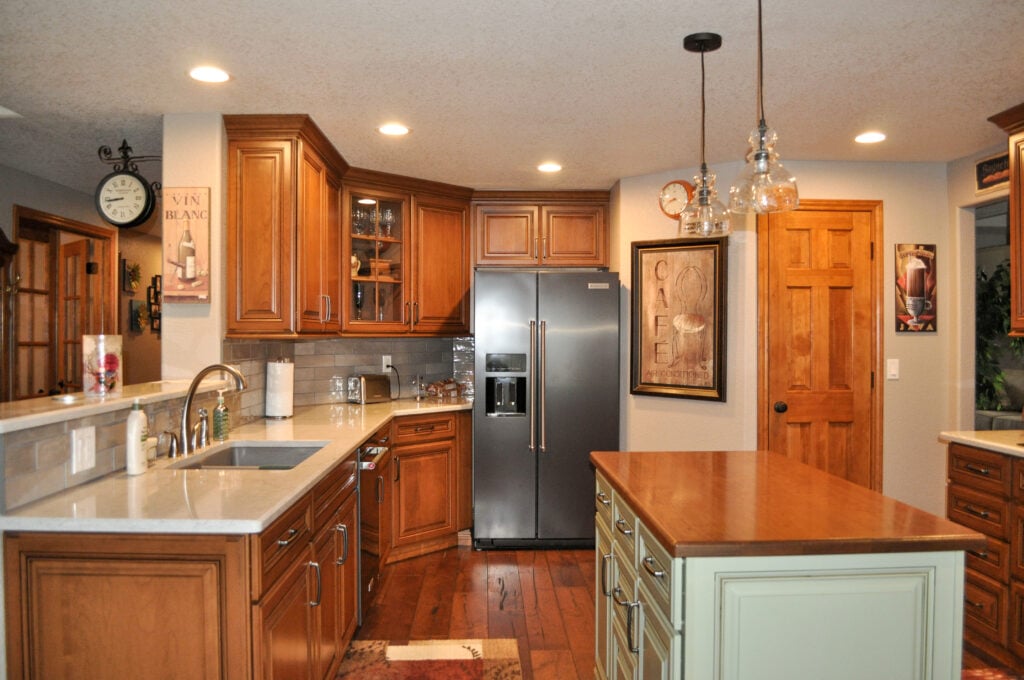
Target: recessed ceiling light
x,y
393,129
549,167
869,137
367,201
209,74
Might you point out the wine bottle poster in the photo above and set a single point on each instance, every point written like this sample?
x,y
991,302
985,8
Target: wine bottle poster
x,y
186,226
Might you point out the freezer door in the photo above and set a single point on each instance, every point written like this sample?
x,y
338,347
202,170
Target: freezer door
x,y
578,320
504,468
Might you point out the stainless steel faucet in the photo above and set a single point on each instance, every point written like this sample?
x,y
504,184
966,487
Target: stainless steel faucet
x,y
185,439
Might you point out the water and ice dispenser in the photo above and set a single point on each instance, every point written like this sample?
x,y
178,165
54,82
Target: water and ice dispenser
x,y
505,394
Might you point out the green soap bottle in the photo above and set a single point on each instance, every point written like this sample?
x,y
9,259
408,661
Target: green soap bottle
x,y
221,419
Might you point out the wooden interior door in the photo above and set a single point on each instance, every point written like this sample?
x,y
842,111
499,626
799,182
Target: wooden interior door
x,y
73,313
819,399
33,361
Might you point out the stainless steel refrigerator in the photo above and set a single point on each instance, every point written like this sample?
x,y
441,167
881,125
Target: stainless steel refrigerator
x,y
547,394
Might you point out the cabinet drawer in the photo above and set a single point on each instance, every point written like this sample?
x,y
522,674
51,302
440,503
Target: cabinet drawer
x,y
624,533
414,429
993,561
657,574
280,544
1018,479
980,470
986,607
332,490
980,511
603,501
1016,632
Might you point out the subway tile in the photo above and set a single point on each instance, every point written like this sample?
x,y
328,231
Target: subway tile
x,y
33,486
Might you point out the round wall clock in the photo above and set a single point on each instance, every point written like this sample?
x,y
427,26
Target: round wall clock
x,y
674,196
125,199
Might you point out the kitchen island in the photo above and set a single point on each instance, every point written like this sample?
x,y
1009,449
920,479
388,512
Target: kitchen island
x,y
231,573
778,570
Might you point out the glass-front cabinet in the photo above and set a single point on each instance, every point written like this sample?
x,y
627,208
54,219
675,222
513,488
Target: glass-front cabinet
x,y
378,230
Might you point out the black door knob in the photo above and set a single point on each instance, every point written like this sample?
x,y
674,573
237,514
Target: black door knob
x,y
780,407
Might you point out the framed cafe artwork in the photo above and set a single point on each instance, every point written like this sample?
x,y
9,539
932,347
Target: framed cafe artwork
x,y
678,318
916,306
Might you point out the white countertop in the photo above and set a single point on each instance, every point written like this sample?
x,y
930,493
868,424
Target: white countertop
x,y
166,500
1004,441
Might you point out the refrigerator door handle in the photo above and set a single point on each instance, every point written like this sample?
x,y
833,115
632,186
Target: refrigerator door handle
x,y
531,376
542,359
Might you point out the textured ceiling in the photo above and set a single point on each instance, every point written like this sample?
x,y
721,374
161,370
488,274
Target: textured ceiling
x,y
491,88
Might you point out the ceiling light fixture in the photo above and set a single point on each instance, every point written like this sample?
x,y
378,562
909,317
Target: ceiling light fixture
x,y
704,214
393,129
549,167
209,74
763,185
872,137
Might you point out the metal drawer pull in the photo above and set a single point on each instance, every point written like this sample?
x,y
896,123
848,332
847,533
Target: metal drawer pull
x,y
284,542
980,555
319,588
977,513
603,499
622,602
634,647
425,428
343,530
977,470
604,574
649,568
621,525
976,605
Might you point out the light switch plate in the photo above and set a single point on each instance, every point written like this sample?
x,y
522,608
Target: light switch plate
x,y
83,449
892,369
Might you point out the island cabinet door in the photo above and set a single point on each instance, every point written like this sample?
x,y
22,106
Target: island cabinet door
x,y
605,570
126,606
284,625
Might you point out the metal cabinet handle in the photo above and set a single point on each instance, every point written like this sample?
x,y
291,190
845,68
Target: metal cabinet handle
x,y
631,622
604,574
976,605
398,469
291,534
531,378
649,568
603,499
983,555
621,601
977,513
623,528
379,491
542,377
319,585
343,530
425,428
971,467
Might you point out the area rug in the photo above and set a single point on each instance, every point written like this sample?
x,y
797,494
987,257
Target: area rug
x,y
428,659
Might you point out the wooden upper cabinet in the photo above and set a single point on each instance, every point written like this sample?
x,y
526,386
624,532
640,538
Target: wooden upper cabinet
x,y
441,272
283,230
1012,121
541,230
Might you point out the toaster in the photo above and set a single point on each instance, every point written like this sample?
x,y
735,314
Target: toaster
x,y
369,388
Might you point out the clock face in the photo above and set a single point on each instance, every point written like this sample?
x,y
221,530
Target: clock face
x,y
124,199
674,197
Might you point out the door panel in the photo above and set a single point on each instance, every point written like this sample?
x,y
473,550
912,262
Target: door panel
x,y
820,337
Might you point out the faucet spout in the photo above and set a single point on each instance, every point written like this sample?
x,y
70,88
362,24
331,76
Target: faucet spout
x,y
185,442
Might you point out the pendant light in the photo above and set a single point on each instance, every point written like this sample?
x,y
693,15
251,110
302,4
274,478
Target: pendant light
x,y
764,185
704,214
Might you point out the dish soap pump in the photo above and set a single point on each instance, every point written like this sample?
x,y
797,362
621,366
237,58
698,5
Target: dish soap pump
x,y
135,451
221,419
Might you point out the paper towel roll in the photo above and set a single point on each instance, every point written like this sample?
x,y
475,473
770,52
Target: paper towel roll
x,y
280,386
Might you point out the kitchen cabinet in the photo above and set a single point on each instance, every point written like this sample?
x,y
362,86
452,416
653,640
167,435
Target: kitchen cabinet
x,y
553,229
374,512
753,587
281,604
408,258
984,492
283,227
1012,121
425,483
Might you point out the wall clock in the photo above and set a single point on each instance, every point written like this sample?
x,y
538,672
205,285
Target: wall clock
x,y
125,199
674,196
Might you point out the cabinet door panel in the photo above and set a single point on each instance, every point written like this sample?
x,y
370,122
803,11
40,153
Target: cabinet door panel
x,y
423,488
506,234
260,236
574,236
441,268
283,622
309,258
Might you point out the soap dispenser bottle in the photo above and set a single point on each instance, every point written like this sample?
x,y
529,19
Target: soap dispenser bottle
x,y
221,419
135,451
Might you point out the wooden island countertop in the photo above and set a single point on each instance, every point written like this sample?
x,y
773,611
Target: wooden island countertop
x,y
750,503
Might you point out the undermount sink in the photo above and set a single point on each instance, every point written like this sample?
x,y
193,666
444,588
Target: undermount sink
x,y
251,456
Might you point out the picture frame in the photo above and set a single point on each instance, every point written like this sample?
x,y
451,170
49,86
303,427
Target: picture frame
x,y
916,300
679,318
991,173
187,262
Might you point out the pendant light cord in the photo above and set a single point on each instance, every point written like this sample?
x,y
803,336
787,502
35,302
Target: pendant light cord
x,y
703,165
760,66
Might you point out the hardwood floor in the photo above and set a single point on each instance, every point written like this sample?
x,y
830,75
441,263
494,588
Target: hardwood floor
x,y
543,598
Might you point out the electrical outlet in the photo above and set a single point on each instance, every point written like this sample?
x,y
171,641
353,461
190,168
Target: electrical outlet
x,y
83,449
385,361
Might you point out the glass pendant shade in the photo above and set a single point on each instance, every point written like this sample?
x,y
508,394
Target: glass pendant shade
x,y
764,185
704,214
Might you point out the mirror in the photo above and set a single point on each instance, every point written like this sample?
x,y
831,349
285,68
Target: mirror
x,y
68,279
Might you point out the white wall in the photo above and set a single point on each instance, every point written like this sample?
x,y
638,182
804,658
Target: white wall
x,y
917,406
195,155
20,188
